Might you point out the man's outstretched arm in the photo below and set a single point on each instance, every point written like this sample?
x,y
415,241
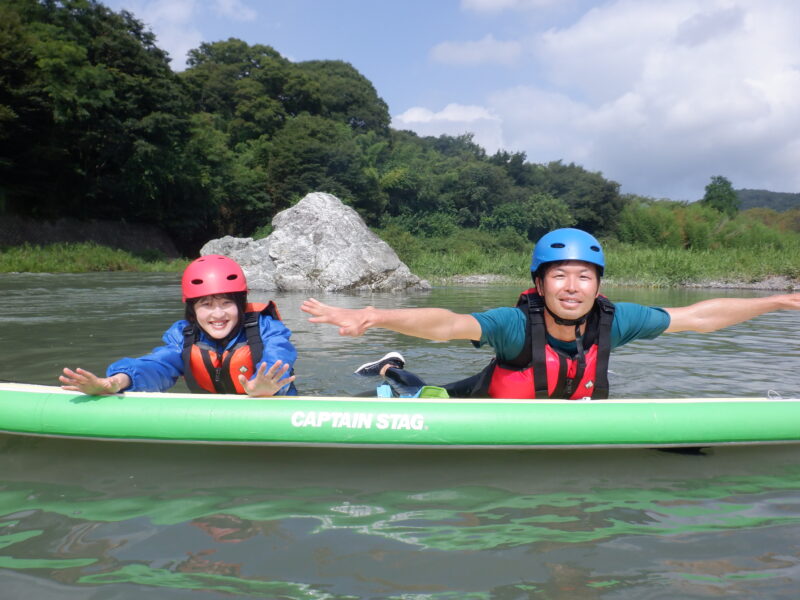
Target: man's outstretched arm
x,y
710,315
428,323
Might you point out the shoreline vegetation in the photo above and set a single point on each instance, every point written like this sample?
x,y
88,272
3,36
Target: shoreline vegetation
x,y
445,261
244,133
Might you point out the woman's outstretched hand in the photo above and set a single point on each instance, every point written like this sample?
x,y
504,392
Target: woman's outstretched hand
x,y
86,382
267,382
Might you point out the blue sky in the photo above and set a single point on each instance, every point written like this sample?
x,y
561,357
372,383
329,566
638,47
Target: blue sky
x,y
658,95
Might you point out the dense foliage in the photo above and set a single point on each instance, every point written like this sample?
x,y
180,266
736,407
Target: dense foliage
x,y
697,226
777,201
95,125
92,120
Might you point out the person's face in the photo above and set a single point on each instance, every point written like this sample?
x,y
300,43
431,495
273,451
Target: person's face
x,y
570,288
217,315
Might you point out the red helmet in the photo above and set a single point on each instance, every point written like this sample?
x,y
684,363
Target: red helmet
x,y
212,274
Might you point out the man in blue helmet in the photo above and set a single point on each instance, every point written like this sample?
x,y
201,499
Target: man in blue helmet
x,y
556,341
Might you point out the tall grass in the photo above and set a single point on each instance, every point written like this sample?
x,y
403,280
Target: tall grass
x,y
80,258
476,252
668,267
468,252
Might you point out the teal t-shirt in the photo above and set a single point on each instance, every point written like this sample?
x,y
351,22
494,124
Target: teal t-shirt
x,y
504,328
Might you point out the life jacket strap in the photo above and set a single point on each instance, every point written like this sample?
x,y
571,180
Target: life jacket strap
x,y
601,385
538,348
189,339
253,334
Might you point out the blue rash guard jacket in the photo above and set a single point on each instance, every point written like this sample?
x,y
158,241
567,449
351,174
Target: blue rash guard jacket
x,y
504,328
159,370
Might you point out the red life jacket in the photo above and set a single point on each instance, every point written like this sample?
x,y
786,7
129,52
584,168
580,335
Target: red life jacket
x,y
542,371
206,371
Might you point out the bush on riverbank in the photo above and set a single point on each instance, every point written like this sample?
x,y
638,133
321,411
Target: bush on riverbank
x,y
696,226
465,252
472,252
81,258
669,267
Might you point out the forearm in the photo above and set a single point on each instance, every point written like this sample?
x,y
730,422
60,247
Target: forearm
x,y
710,315
429,323
154,372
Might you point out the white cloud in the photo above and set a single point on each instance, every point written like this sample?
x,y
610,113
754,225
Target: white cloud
x,y
454,119
545,124
485,51
661,96
701,88
235,9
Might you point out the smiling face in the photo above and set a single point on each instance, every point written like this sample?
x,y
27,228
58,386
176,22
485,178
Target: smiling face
x,y
217,315
570,288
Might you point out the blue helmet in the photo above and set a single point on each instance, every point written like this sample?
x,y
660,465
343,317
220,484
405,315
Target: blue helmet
x,y
567,244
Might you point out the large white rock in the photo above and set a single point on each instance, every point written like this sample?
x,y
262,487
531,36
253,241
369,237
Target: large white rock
x,y
318,244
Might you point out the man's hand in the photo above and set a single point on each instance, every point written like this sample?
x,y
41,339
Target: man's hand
x,y
350,321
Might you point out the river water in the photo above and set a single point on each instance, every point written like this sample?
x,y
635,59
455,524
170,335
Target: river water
x,y
100,520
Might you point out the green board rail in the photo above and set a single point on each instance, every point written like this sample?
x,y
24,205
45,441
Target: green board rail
x,y
373,422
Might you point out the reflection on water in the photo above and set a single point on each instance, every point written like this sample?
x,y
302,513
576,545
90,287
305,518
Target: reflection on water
x,y
341,524
102,520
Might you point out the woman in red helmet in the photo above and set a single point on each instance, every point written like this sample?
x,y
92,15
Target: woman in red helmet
x,y
224,345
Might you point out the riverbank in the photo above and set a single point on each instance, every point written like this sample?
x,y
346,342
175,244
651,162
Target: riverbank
x,y
628,266
769,283
84,257
137,238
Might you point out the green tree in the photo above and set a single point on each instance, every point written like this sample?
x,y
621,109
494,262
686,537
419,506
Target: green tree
x,y
651,223
515,165
94,124
594,201
346,95
460,146
23,105
721,196
532,217
312,153
249,89
474,189
100,117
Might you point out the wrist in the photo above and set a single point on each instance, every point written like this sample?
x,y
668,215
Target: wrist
x,y
371,317
118,382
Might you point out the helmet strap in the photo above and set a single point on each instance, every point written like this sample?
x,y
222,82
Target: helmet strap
x,y
578,335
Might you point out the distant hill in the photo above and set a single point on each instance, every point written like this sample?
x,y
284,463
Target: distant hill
x,y
778,201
